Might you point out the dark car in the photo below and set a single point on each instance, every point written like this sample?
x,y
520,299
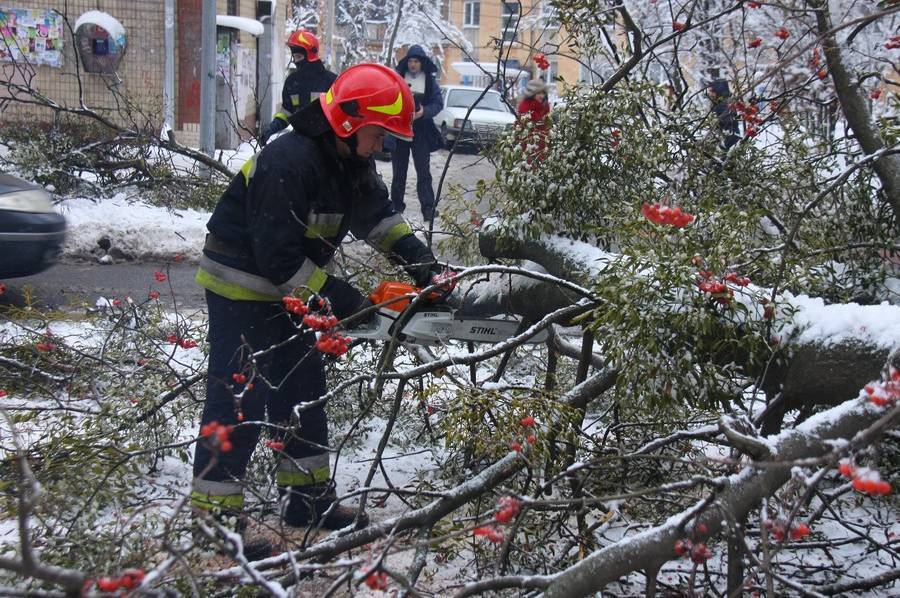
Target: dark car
x,y
31,233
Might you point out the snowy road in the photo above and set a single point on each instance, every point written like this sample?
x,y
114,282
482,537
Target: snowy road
x,y
152,236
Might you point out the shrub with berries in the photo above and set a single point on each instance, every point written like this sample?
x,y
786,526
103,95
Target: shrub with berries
x,y
541,61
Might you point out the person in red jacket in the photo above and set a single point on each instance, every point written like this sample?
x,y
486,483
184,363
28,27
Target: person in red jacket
x,y
535,107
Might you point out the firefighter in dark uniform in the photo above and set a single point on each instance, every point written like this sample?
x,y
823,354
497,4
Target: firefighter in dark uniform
x,y
272,234
309,79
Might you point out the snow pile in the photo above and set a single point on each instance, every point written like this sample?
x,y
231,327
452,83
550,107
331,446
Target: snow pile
x,y
878,325
136,228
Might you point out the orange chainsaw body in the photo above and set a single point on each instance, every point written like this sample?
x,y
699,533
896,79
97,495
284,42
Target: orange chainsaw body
x,y
398,293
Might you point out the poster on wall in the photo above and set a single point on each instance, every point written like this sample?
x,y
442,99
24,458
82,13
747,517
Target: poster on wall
x,y
31,35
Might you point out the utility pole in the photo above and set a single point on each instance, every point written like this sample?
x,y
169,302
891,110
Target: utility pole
x,y
169,70
208,78
329,34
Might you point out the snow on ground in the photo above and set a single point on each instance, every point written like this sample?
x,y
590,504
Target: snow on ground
x,y
140,230
146,232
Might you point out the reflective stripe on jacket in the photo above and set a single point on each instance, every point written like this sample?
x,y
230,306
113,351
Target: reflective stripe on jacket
x,y
281,219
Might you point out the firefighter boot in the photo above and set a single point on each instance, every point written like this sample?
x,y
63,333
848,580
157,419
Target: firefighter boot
x,y
317,505
254,549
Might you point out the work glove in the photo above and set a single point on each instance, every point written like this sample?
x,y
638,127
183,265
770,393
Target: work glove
x,y
274,127
346,301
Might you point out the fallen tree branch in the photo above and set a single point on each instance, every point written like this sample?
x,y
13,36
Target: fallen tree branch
x,y
650,549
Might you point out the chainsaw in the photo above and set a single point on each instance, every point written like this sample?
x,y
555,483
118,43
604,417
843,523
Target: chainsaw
x,y
435,323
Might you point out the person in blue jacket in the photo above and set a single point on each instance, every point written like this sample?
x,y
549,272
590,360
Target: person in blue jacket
x,y
420,73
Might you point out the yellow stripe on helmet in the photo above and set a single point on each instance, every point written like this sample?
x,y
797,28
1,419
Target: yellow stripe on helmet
x,y
390,109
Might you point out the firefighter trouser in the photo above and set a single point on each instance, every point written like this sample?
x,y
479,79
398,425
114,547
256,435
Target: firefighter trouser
x,y
237,328
400,165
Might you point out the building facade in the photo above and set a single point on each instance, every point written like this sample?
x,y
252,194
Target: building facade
x,y
516,31
64,51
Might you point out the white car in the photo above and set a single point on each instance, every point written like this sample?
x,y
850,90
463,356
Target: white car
x,y
487,121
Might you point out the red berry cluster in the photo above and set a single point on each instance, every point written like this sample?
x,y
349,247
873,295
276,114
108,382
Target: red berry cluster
x,y
718,289
153,295
160,276
754,43
130,579
525,422
239,378
295,305
184,343
815,59
885,393
320,322
782,33
875,94
376,580
753,5
2,393
541,61
698,551
218,435
666,215
2,288
893,43
778,529
768,309
750,115
507,508
490,533
738,280
45,346
865,479
447,280
332,343
616,138
275,445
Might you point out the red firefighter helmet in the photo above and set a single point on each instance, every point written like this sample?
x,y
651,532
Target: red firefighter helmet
x,y
369,94
305,40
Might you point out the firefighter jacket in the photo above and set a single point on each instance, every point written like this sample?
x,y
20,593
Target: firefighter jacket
x,y
281,219
301,87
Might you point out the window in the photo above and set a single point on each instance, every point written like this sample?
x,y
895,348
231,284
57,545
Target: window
x,y
232,7
471,13
549,15
509,21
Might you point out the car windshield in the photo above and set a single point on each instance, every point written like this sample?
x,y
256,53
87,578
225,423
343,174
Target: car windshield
x,y
463,98
9,183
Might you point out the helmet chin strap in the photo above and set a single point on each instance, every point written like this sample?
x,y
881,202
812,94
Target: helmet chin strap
x,y
352,108
353,142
